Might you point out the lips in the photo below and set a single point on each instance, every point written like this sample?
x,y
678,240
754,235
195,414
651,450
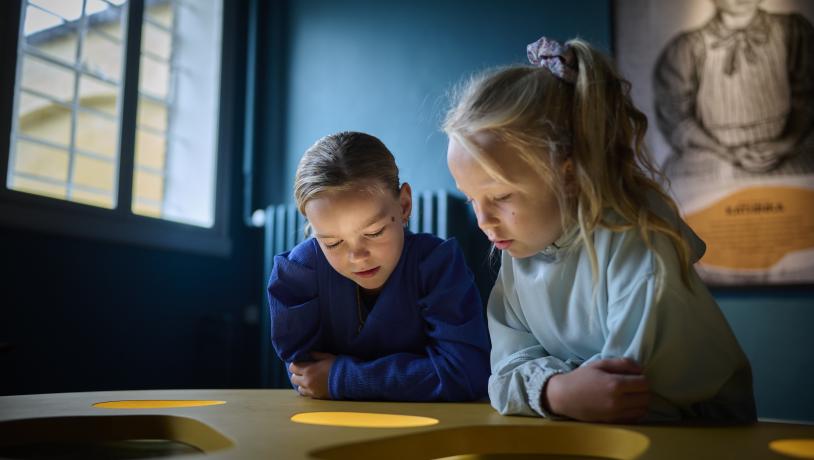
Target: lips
x,y
502,244
368,273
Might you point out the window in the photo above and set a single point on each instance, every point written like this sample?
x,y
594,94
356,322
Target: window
x,y
115,117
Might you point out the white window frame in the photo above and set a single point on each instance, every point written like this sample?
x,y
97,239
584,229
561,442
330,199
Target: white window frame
x,y
120,224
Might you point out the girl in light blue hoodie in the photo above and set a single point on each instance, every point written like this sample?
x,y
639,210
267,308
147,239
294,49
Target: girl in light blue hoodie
x,y
597,313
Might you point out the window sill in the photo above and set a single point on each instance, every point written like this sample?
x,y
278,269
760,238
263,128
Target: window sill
x,y
47,215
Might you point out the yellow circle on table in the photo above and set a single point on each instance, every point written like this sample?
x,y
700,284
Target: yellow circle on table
x,y
156,403
362,419
797,448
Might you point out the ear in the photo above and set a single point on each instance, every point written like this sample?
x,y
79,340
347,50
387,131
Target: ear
x,y
406,202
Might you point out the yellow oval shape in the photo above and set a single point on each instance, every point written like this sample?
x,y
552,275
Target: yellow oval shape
x,y
797,448
362,419
156,403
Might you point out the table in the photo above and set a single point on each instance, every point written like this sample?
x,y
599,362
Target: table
x,y
254,424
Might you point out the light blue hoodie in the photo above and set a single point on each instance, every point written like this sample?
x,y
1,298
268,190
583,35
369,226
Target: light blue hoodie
x,y
547,315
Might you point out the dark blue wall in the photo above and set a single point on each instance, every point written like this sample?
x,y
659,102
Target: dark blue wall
x,y
775,327
385,67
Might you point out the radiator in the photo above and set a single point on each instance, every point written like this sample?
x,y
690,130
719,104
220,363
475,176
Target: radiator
x,y
434,211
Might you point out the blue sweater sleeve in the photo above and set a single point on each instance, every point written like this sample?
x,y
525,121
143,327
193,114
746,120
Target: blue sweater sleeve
x,y
455,362
294,305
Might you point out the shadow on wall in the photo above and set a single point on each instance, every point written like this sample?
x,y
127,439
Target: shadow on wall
x,y
463,226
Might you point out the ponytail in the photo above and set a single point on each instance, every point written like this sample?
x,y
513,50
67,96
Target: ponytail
x,y
612,167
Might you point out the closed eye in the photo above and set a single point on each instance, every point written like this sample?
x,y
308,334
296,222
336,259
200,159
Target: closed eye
x,y
503,197
333,245
376,233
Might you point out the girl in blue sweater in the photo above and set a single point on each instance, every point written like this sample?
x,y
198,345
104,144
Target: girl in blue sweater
x,y
366,310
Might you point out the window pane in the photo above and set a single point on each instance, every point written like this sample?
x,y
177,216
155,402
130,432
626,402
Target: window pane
x,y
154,80
145,208
70,10
97,134
156,41
54,37
152,114
92,197
67,131
94,173
37,20
192,126
148,186
42,161
65,139
42,119
150,149
47,78
97,94
154,77
95,7
160,13
102,55
114,24
37,187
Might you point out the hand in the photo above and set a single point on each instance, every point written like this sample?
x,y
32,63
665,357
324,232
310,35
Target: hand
x,y
763,156
609,390
311,377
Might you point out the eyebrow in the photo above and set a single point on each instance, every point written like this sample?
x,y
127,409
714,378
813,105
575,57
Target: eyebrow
x,y
487,185
381,215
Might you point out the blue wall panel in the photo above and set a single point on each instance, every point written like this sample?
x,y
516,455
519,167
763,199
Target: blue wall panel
x,y
386,67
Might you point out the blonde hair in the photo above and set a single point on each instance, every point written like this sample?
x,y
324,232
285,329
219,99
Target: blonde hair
x,y
344,161
586,139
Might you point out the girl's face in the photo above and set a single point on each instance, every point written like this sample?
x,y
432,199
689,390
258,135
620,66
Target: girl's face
x,y
361,233
521,217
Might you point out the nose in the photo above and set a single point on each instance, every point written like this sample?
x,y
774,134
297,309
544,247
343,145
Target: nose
x,y
358,253
486,216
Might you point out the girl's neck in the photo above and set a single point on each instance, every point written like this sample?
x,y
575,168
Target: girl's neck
x,y
737,21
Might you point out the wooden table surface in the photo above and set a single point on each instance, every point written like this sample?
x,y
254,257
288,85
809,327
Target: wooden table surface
x,y
255,424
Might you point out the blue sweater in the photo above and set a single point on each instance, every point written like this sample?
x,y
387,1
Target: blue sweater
x,y
425,338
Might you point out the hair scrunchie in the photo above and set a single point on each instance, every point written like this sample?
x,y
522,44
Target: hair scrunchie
x,y
558,59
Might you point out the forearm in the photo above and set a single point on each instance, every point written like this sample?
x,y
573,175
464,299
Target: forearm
x,y
294,346
411,377
517,388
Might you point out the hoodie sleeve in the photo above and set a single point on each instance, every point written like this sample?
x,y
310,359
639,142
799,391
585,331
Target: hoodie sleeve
x,y
521,366
676,332
294,304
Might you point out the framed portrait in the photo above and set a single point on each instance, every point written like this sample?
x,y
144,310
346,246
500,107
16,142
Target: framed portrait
x,y
728,88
